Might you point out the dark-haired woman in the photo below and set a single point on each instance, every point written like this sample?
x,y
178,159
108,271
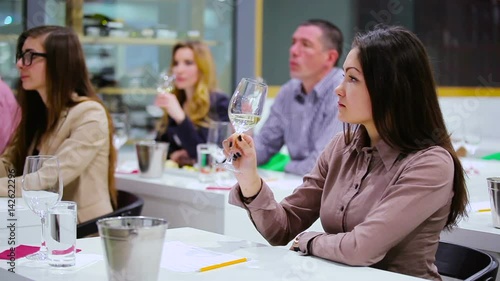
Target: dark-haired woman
x,y
385,188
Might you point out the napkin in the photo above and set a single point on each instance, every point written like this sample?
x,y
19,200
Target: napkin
x,y
22,251
128,167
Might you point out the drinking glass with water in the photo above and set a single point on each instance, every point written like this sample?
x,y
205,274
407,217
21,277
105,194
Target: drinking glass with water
x,y
60,235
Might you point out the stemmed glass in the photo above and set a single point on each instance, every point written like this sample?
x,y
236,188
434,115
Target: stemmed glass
x,y
42,188
245,109
165,85
121,126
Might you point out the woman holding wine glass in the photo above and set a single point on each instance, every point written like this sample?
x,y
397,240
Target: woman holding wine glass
x,y
386,188
62,116
192,104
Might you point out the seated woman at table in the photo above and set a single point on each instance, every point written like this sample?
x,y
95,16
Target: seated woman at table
x,y
387,186
193,103
61,115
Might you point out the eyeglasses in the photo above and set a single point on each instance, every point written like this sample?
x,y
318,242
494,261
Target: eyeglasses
x,y
27,57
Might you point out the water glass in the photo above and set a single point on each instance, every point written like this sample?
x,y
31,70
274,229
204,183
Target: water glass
x,y
205,162
60,235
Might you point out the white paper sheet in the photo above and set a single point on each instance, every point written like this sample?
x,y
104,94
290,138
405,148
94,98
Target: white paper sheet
x,y
482,206
180,257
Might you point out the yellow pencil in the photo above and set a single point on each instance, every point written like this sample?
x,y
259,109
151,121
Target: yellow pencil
x,y
215,266
483,210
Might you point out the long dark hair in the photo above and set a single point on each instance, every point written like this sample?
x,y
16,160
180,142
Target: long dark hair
x,y
66,73
404,101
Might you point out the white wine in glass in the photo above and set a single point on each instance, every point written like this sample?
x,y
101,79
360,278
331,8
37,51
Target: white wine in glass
x,y
166,84
42,188
245,109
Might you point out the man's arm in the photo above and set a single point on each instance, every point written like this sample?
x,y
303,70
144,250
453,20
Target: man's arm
x,y
304,166
270,138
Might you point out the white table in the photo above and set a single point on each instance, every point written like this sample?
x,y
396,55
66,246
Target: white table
x,y
27,224
185,202
266,263
477,231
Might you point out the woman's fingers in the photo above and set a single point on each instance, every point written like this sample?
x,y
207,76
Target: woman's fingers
x,y
228,145
238,145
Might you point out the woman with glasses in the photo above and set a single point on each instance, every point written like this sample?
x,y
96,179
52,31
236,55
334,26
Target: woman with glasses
x,y
193,102
62,116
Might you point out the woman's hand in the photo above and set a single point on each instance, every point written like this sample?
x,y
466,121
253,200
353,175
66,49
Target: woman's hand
x,y
169,103
241,148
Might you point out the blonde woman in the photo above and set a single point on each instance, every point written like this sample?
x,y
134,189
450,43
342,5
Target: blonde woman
x,y
193,103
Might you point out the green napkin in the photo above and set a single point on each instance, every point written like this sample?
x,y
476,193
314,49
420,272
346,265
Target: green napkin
x,y
494,156
276,163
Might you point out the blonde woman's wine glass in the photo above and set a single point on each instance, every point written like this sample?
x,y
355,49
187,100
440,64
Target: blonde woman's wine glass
x,y
42,188
165,85
245,109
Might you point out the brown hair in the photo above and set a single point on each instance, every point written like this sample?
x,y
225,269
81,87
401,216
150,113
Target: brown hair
x,y
197,109
405,105
332,36
66,73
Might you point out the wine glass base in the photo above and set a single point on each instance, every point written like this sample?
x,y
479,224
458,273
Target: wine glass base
x,y
38,256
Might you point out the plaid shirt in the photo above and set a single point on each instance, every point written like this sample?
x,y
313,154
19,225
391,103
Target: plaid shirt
x,y
305,123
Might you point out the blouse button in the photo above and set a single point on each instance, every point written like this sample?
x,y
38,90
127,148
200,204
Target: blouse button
x,y
356,186
342,208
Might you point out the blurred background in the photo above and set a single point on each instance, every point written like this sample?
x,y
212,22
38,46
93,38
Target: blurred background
x,y
129,42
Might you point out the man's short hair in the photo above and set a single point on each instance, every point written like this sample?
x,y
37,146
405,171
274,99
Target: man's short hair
x,y
332,36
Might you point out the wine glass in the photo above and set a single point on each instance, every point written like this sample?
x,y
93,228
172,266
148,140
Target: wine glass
x,y
121,129
245,109
42,188
165,85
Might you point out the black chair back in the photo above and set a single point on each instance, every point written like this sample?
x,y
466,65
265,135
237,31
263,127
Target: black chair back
x,y
128,204
465,263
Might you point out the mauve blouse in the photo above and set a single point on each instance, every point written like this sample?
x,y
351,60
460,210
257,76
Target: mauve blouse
x,y
378,206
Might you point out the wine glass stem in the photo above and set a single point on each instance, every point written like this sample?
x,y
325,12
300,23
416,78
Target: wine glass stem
x,y
43,247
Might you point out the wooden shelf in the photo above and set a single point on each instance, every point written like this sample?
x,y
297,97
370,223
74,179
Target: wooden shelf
x,y
8,37
132,41
113,40
126,91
